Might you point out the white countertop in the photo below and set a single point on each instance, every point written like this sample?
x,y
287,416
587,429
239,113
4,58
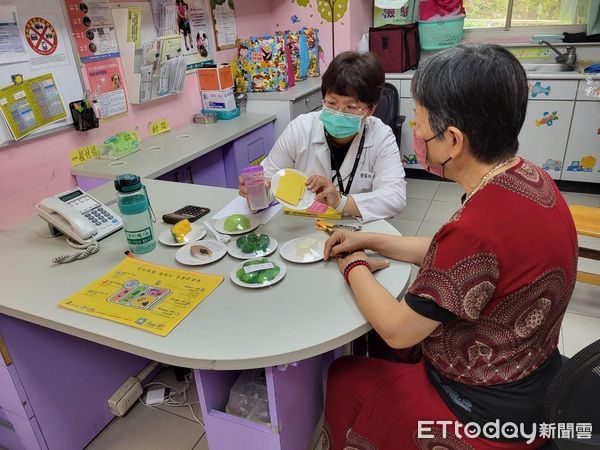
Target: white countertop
x,y
301,88
530,75
309,312
167,151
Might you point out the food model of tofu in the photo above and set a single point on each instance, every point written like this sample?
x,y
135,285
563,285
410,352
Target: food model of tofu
x,y
180,229
304,246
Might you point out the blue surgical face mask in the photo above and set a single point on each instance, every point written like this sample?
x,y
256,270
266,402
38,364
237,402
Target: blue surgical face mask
x,y
338,124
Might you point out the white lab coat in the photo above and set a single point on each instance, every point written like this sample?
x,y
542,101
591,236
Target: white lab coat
x,y
379,187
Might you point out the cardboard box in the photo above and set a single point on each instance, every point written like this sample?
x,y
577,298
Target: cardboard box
x,y
223,100
215,78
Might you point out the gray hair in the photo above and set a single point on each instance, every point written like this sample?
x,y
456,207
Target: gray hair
x,y
481,89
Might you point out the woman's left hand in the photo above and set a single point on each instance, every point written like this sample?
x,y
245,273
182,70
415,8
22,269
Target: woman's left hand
x,y
325,190
374,263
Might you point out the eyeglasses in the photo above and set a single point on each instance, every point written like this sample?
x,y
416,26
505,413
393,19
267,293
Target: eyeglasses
x,y
352,108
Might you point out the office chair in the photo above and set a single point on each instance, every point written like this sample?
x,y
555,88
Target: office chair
x,y
387,110
573,397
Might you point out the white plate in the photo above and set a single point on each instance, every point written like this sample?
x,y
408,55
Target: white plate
x,y
288,251
254,223
196,233
218,249
235,251
279,276
307,199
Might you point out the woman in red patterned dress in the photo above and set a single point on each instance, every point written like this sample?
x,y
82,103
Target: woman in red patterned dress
x,y
493,285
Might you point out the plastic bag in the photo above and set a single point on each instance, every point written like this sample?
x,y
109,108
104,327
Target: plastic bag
x,y
592,86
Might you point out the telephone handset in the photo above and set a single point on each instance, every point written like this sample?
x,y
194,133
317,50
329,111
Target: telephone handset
x,y
79,216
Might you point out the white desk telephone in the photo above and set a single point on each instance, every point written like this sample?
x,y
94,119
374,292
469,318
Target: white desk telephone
x,y
79,216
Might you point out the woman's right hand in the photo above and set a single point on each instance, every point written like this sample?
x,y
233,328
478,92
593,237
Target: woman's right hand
x,y
342,242
243,190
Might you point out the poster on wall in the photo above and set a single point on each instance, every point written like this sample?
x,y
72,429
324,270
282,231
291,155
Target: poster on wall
x,y
93,29
107,93
45,44
223,14
12,48
193,25
31,105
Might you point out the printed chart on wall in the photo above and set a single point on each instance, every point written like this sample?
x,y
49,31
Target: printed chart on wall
x,y
12,48
93,29
223,14
143,295
96,43
105,86
193,24
31,105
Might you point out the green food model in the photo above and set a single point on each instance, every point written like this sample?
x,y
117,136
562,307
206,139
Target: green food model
x,y
258,276
236,222
253,243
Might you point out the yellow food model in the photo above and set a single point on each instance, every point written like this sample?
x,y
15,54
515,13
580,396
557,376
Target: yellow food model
x,y
180,229
291,187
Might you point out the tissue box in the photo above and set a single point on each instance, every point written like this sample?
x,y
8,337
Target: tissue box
x,y
215,78
223,100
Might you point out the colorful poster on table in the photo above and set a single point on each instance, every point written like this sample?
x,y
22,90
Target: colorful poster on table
x,y
93,29
105,84
193,24
45,44
223,14
31,105
12,48
143,295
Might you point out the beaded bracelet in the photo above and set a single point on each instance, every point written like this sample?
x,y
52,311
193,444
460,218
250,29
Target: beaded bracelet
x,y
352,265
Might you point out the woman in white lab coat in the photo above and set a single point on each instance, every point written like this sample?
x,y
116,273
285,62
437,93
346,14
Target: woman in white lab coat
x,y
352,158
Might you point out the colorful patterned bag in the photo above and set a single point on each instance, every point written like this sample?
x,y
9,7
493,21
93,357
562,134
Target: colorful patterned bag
x,y
299,53
312,44
262,64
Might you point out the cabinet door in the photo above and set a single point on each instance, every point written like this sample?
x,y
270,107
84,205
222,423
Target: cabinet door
x,y
409,159
176,175
208,170
543,138
307,103
582,159
248,150
552,89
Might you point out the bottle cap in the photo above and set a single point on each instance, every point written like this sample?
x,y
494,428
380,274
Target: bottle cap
x,y
127,182
251,170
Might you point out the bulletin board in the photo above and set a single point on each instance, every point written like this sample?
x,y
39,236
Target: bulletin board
x,y
62,63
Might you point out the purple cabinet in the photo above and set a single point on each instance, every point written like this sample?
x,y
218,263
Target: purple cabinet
x,y
207,170
54,394
247,150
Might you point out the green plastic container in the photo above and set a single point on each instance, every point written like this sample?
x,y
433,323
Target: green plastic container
x,y
440,34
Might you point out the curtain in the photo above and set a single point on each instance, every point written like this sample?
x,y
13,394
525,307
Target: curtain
x,y
593,23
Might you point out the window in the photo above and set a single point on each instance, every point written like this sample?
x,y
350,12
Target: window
x,y
524,13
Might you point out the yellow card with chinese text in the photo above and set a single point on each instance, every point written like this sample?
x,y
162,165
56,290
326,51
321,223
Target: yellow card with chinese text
x,y
158,127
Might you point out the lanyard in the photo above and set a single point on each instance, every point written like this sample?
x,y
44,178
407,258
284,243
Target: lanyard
x,y
337,170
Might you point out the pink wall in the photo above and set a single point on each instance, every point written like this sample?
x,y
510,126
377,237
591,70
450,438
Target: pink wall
x,y
40,167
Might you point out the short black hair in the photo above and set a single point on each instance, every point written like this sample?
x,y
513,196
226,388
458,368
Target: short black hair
x,y
358,75
479,88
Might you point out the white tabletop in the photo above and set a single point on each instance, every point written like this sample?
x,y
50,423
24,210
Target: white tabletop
x,y
309,312
301,88
167,151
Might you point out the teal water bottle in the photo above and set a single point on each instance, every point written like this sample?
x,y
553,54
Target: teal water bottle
x,y
138,220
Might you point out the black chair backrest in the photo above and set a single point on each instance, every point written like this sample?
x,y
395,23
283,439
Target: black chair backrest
x,y
573,397
387,108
